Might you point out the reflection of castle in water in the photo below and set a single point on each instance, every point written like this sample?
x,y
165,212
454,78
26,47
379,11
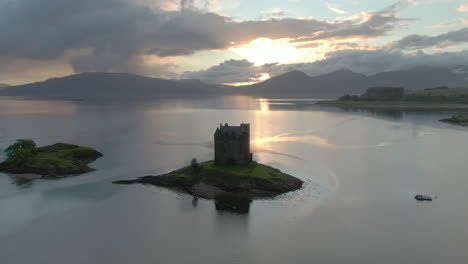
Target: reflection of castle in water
x,y
240,205
232,217
233,204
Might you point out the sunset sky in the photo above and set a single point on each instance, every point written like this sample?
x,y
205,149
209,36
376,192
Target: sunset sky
x,y
221,41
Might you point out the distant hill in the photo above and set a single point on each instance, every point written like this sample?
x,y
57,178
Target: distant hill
x,y
335,84
111,86
294,84
3,85
420,78
298,84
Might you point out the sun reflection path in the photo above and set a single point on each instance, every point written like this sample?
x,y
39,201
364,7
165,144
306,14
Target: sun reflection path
x,y
264,105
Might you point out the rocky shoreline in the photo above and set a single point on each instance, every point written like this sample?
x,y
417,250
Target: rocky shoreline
x,y
398,105
460,119
205,184
79,167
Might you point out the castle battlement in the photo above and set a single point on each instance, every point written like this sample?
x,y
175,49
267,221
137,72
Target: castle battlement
x,y
232,144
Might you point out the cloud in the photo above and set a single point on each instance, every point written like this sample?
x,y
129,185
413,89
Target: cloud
x,y
420,41
115,35
463,7
442,25
464,20
206,5
375,61
19,71
336,9
230,71
422,2
273,13
360,61
362,26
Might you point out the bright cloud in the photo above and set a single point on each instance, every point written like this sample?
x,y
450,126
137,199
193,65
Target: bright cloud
x,y
336,9
463,7
360,61
264,50
163,38
117,33
442,25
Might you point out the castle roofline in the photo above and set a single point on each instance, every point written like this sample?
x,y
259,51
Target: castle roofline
x,y
236,130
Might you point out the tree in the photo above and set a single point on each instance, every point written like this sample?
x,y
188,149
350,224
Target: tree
x,y
19,153
194,163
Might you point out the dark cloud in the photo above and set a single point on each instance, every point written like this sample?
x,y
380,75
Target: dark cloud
x,y
420,41
360,61
230,71
115,34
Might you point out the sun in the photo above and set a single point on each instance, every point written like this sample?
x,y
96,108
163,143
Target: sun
x,y
264,50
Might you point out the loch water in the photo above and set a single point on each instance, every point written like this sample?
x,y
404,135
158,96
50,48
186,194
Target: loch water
x,y
361,170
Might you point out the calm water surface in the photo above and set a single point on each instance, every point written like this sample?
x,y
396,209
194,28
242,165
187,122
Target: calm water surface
x,y
361,171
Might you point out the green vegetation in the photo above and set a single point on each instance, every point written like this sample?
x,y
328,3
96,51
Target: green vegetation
x,y
60,155
396,98
254,171
24,157
453,96
21,152
434,95
377,94
458,119
211,181
461,118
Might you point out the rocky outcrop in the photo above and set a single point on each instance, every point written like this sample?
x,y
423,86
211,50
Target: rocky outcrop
x,y
460,120
205,184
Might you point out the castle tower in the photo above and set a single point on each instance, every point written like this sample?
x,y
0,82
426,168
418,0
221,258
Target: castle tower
x,y
232,145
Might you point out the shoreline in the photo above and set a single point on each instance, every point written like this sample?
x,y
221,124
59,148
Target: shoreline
x,y
210,184
459,120
395,105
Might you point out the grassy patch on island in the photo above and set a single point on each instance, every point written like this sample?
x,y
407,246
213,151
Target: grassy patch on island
x,y
458,119
58,159
461,118
60,155
252,171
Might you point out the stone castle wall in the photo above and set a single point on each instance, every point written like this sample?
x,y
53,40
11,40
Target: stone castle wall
x,y
232,147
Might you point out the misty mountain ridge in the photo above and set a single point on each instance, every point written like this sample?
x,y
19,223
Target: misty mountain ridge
x,y
293,84
3,85
337,83
101,85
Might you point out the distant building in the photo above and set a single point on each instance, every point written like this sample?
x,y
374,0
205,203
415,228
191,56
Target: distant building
x,y
232,144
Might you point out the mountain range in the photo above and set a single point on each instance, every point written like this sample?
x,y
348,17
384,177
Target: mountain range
x,y
294,84
100,85
3,85
335,84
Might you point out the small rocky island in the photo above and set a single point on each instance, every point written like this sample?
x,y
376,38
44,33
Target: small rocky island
x,y
58,160
232,174
459,119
